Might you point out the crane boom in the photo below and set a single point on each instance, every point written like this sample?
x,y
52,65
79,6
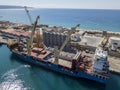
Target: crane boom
x,y
30,19
30,42
57,52
68,36
39,43
65,42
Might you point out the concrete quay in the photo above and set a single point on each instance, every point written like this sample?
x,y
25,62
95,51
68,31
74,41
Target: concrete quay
x,y
114,64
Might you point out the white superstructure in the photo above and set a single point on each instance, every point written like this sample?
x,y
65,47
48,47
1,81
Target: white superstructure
x,y
101,64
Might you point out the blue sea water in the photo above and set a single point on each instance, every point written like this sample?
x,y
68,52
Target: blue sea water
x,y
88,18
18,75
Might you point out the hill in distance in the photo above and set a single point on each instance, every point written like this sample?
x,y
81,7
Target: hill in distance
x,y
11,7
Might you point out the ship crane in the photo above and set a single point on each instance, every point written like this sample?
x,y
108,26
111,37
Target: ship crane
x,y
39,43
30,41
30,19
56,51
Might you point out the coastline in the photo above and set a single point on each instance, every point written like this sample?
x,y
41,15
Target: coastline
x,y
81,29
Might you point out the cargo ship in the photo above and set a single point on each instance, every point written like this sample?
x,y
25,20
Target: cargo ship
x,y
80,64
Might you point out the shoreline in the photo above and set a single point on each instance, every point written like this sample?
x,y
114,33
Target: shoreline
x,y
82,29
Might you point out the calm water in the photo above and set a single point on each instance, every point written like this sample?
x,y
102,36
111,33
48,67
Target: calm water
x,y
18,75
89,19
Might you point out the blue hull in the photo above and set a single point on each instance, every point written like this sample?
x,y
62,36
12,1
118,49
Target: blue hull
x,y
61,70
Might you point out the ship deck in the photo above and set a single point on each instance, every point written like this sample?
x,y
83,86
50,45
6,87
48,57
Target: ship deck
x,y
46,55
64,60
61,62
40,53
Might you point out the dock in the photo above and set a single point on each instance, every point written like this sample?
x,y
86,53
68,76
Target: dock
x,y
3,41
114,64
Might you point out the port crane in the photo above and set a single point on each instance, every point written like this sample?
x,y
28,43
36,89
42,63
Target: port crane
x,y
56,51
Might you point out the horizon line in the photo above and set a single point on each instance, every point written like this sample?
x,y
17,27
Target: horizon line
x,y
63,7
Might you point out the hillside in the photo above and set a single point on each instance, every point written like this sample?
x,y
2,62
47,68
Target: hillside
x,y
10,7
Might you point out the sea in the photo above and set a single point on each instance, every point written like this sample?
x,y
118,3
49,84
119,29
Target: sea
x,y
18,75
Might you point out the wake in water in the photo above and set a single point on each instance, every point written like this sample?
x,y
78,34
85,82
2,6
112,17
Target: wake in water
x,y
11,81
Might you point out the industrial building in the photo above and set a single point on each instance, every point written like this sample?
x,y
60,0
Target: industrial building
x,y
114,43
53,36
88,42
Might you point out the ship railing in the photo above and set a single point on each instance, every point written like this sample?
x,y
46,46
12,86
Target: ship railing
x,y
100,76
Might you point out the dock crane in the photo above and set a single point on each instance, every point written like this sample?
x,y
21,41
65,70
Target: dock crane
x,y
27,12
30,41
56,51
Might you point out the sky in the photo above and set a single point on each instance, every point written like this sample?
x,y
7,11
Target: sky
x,y
80,4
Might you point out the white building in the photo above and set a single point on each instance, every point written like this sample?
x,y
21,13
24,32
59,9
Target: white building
x,y
114,43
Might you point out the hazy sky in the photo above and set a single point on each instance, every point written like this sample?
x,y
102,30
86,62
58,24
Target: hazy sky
x,y
84,4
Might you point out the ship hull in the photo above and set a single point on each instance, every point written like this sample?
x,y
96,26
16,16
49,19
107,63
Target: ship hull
x,y
56,68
